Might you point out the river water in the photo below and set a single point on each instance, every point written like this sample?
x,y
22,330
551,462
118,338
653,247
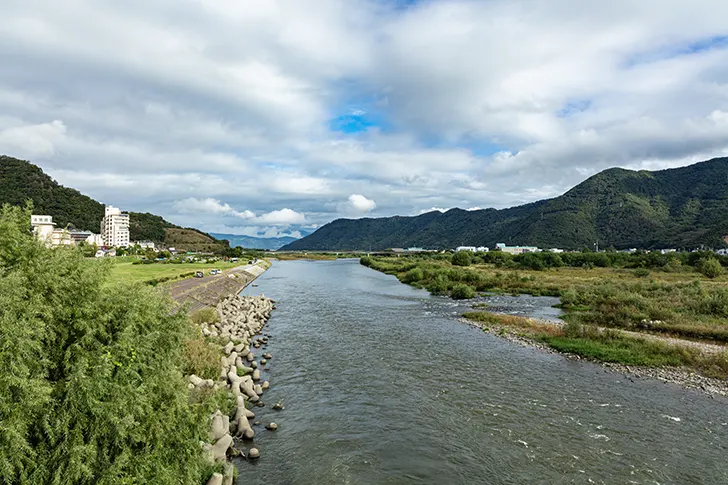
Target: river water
x,y
383,385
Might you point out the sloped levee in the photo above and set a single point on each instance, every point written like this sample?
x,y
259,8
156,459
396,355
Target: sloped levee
x,y
209,291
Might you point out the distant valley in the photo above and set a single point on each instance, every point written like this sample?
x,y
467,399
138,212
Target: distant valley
x,y
251,242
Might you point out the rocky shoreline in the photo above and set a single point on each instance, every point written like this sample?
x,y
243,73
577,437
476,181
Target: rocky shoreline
x,y
240,332
682,377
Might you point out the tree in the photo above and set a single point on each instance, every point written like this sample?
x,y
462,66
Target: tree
x,y
461,258
91,390
709,267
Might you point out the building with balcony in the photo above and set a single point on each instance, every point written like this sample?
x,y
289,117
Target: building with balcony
x,y
115,227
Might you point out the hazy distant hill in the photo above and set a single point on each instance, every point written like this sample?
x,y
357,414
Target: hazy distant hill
x,y
251,242
681,208
21,181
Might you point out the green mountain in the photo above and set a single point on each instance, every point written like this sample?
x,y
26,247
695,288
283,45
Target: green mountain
x,y
252,242
678,208
21,181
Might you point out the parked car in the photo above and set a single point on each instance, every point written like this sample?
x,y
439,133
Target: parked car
x,y
213,271
199,274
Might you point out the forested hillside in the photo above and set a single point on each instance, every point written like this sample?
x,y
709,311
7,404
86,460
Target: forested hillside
x,y
678,208
21,181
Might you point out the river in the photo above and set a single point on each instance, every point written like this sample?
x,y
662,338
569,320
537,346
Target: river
x,y
383,385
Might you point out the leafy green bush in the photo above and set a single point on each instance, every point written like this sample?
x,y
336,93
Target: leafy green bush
x,y
641,272
413,275
440,285
462,292
709,267
91,388
461,258
204,315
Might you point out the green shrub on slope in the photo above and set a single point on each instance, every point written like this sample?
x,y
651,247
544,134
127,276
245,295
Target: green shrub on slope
x,y
91,390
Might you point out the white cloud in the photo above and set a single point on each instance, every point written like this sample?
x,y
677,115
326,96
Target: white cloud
x,y
212,107
210,206
282,217
361,204
31,141
433,209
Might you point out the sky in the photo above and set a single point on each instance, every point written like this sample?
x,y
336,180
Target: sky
x,y
275,117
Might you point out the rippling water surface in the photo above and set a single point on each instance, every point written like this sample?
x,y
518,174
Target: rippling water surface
x,y
382,384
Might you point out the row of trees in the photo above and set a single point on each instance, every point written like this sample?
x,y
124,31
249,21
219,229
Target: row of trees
x,y
708,263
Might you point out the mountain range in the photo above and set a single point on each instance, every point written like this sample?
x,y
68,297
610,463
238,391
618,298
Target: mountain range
x,y
252,242
684,207
21,181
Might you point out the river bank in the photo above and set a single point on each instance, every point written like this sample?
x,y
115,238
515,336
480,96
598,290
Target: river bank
x,y
232,333
683,377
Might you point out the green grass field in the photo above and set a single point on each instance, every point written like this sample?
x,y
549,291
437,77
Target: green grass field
x,y
126,271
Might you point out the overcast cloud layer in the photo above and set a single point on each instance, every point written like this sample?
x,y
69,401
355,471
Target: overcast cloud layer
x,y
269,117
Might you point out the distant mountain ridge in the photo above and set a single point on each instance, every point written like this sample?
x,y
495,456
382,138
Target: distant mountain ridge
x,y
21,181
676,208
251,242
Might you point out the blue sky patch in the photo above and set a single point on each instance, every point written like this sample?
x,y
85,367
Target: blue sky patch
x,y
677,50
574,106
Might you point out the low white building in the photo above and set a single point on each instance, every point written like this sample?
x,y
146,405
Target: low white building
x,y
466,248
46,231
517,249
115,227
144,244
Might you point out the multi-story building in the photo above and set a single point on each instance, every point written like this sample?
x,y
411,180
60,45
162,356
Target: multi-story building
x,y
115,227
45,230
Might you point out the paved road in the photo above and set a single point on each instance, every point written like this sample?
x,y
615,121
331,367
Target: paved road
x,y
178,289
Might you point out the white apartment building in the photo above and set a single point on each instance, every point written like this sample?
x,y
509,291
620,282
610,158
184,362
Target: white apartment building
x,y
45,230
115,227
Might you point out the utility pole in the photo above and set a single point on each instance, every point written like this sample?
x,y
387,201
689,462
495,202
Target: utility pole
x,y
596,244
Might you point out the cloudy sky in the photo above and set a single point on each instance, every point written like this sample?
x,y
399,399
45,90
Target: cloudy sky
x,y
269,117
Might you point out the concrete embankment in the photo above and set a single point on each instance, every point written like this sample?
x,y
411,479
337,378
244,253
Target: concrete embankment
x,y
203,292
238,332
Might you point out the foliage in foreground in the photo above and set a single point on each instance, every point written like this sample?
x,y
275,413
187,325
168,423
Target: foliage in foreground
x,y
91,390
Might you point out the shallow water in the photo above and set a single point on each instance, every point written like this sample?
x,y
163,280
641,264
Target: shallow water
x,y
382,384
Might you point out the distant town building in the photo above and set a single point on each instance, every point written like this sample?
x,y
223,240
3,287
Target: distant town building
x,y
46,231
722,252
115,227
414,250
96,239
79,236
556,250
144,244
517,249
466,248
483,249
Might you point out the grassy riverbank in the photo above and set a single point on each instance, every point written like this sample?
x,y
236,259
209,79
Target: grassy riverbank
x,y
599,301
127,271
